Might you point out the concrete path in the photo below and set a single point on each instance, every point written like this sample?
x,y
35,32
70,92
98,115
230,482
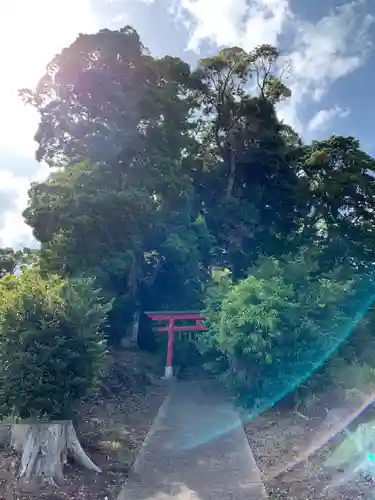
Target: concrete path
x,y
195,450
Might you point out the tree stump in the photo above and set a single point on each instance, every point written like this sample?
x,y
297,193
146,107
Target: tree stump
x,y
44,449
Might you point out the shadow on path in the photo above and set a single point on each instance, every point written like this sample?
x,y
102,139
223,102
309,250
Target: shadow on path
x,y
196,449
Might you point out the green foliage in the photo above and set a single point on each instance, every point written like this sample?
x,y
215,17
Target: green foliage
x,y
118,123
339,197
248,186
90,223
171,173
282,321
52,343
8,261
13,260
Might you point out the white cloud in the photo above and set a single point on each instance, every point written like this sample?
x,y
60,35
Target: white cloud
x,y
234,22
323,53
12,201
31,33
320,54
324,117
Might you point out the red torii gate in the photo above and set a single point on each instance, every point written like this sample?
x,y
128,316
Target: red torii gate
x,y
171,317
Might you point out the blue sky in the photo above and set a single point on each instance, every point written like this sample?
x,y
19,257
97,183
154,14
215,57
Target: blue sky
x,y
328,43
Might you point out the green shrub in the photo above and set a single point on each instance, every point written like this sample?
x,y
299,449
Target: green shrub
x,y
272,330
52,344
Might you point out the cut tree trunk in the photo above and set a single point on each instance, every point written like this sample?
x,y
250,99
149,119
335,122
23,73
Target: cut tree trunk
x,y
44,449
131,338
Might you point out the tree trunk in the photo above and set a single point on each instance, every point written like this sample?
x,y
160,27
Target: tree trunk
x,y
44,448
232,165
131,338
232,173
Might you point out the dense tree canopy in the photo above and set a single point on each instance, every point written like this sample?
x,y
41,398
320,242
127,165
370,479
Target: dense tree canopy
x,y
166,172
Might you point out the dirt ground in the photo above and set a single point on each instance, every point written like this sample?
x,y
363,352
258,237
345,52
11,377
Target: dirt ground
x,y
111,428
291,448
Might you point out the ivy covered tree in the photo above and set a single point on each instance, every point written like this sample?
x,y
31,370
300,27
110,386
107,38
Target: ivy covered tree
x,y
52,348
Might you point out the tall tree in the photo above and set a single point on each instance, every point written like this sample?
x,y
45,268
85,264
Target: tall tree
x,y
100,97
223,83
105,101
166,172
246,183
